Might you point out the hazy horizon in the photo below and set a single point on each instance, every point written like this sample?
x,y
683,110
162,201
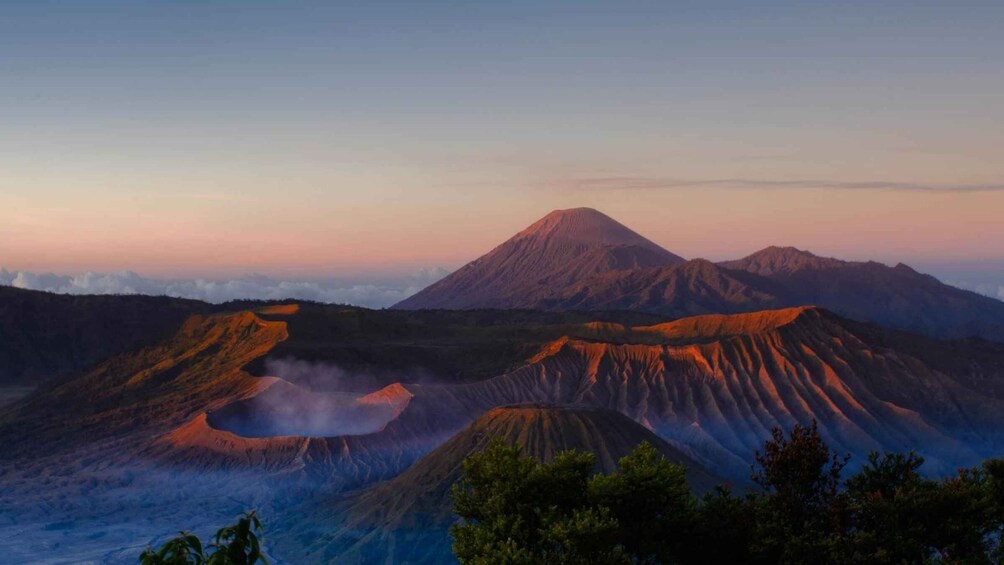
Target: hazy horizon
x,y
377,289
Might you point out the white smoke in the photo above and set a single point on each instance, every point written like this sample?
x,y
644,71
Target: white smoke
x,y
378,294
288,410
332,377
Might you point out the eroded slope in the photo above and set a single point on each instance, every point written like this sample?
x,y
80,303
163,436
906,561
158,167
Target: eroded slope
x,y
717,385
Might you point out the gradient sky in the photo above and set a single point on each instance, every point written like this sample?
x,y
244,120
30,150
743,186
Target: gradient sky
x,y
218,138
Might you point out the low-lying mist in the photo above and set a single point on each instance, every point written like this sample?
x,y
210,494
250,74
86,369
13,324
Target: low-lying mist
x,y
334,377
60,514
285,409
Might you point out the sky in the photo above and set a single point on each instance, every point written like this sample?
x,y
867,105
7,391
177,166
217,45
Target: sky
x,y
374,143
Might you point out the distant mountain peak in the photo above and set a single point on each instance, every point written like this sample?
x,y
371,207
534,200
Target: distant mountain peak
x,y
561,248
776,259
581,211
785,250
584,226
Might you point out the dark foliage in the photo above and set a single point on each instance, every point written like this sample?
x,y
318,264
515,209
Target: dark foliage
x,y
524,512
233,545
801,510
517,510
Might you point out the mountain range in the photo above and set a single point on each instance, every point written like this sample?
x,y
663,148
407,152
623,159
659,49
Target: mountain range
x,y
581,259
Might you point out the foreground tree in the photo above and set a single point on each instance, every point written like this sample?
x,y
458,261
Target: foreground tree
x,y
724,529
654,508
887,499
519,511
233,545
802,513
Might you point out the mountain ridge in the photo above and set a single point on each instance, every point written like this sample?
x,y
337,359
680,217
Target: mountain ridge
x,y
46,336
612,275
777,259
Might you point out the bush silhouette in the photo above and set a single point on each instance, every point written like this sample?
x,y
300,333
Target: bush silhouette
x,y
232,545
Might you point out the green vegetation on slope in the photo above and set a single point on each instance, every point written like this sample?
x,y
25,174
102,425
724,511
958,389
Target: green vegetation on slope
x,y
47,336
518,510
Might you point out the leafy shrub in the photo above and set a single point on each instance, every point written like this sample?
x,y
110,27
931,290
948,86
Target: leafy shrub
x,y
237,544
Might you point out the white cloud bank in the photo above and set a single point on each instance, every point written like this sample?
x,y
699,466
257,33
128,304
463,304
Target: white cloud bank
x,y
986,289
378,294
